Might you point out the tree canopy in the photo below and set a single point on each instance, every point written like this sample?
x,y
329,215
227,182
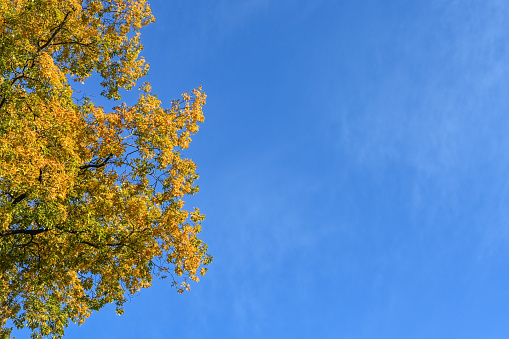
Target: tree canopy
x,y
91,199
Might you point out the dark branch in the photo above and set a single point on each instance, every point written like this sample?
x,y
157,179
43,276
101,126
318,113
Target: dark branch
x,y
29,232
89,244
99,165
72,43
31,111
59,27
98,246
19,198
28,243
95,245
23,76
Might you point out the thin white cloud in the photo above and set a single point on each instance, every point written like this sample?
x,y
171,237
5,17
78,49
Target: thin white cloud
x,y
443,115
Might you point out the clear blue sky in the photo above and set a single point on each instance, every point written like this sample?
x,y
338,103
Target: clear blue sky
x,y
354,170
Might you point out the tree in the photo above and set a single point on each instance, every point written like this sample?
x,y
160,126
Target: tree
x,y
91,202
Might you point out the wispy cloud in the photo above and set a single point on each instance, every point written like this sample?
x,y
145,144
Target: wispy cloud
x,y
438,110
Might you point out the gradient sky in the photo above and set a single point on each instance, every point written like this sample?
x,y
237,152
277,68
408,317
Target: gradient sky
x,y
354,170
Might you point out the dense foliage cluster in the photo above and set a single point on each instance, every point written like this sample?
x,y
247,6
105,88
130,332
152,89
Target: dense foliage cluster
x,y
90,200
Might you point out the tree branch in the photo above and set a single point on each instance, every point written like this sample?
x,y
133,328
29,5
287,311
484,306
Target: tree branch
x,y
28,243
99,165
73,42
29,232
59,27
19,198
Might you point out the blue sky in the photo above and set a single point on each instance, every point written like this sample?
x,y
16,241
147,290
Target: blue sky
x,y
354,170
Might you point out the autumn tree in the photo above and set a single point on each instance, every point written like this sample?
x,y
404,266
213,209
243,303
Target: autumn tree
x,y
91,202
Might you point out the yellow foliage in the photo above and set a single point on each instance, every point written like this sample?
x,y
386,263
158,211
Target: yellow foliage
x,y
91,202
